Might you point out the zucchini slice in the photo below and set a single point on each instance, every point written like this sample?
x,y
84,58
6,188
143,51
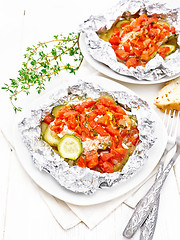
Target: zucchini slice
x,y
106,35
70,146
118,24
163,23
51,137
172,48
56,109
43,128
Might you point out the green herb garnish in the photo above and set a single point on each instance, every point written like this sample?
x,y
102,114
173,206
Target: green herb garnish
x,y
44,60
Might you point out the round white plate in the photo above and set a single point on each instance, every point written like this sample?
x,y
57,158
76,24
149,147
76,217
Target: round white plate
x,y
49,184
110,73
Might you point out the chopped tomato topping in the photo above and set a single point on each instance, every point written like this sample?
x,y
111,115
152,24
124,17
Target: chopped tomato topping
x,y
139,40
104,120
48,119
97,122
112,131
126,46
114,47
81,162
173,30
132,62
163,51
92,159
106,101
101,131
105,156
118,154
121,54
116,31
107,167
114,40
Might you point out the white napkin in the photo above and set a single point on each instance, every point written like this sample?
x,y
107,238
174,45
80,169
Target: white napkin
x,y
69,215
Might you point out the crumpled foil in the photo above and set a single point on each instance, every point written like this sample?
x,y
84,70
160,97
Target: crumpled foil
x,y
101,51
75,178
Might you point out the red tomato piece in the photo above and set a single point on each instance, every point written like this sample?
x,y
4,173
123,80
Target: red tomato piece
x,y
145,56
106,101
81,162
58,122
132,62
107,167
92,159
137,52
127,28
151,50
163,50
60,113
121,54
114,40
78,130
71,122
82,119
118,154
139,44
152,20
116,31
48,119
112,131
105,156
153,32
57,129
92,115
118,116
101,131
100,109
123,132
79,107
126,47
70,114
88,103
146,42
117,109
114,47
92,124
166,27
173,30
104,120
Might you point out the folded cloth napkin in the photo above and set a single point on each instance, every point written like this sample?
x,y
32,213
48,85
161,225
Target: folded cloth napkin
x,y
69,215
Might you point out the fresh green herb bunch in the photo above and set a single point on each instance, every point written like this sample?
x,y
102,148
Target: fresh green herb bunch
x,y
43,61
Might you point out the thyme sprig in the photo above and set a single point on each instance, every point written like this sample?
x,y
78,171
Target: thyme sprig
x,y
42,61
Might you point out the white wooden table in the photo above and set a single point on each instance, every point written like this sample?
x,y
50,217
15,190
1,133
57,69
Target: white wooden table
x,y
23,214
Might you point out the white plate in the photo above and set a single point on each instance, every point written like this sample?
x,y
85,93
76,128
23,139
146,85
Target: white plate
x,y
110,73
50,185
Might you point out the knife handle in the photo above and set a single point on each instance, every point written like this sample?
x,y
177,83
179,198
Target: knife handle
x,y
148,227
146,204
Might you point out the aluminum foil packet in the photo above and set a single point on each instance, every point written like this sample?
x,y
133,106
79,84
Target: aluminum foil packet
x,y
75,178
101,51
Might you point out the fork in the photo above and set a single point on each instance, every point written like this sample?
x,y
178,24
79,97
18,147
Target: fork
x,y
149,225
151,199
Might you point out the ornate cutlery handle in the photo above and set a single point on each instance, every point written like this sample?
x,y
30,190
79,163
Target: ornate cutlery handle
x,y
146,204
